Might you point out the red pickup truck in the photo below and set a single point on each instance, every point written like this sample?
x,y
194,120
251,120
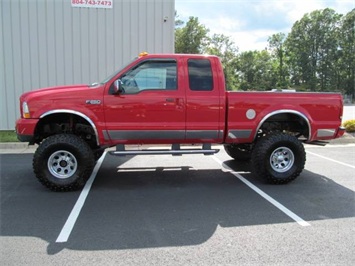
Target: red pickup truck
x,y
172,99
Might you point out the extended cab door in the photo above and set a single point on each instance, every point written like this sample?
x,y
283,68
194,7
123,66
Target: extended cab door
x,y
205,100
151,109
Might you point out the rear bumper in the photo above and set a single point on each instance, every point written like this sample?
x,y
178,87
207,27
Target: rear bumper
x,y
25,129
341,131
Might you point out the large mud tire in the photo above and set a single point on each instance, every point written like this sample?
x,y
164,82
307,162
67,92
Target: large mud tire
x,y
63,162
278,158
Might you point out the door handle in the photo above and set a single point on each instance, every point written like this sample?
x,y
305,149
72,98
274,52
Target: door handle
x,y
170,100
179,102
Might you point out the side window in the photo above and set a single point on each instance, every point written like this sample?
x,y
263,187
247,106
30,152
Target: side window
x,y
150,75
200,75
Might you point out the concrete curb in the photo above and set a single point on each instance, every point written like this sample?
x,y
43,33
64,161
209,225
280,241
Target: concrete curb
x,y
13,145
16,147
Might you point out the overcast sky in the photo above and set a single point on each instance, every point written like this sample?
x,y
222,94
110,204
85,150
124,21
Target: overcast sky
x,y
250,22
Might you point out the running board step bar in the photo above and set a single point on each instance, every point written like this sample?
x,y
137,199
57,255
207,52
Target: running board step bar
x,y
175,150
318,142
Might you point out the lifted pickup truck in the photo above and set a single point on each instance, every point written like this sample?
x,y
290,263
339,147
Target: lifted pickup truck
x,y
172,99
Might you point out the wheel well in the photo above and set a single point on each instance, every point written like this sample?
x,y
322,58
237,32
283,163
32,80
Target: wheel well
x,y
292,123
65,123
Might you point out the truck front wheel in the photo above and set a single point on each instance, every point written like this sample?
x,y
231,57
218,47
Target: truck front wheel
x,y
63,162
279,158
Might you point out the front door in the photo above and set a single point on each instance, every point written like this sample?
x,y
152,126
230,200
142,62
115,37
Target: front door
x,y
151,107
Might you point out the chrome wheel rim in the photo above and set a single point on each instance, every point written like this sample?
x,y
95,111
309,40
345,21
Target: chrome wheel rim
x,y
282,159
62,164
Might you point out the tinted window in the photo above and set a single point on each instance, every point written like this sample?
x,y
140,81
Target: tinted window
x,y
200,75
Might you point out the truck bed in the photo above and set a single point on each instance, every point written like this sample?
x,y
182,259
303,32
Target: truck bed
x,y
247,111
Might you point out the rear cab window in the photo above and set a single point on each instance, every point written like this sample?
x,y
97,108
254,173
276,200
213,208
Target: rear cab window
x,y
200,75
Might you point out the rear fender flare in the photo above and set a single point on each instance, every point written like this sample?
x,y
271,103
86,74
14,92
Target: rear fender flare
x,y
285,111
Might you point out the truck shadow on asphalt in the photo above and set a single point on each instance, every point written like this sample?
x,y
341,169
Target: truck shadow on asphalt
x,y
159,206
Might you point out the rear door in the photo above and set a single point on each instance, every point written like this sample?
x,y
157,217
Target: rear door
x,y
205,100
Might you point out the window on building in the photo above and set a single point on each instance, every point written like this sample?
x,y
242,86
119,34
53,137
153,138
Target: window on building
x,y
200,75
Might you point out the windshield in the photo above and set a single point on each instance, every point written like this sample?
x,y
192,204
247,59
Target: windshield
x,y
116,72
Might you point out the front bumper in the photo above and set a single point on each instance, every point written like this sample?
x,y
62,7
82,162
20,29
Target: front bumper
x,y
25,129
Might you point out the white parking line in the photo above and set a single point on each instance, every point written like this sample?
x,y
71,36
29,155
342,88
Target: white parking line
x,y
332,160
274,202
69,224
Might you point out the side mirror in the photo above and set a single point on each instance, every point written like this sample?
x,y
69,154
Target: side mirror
x,y
117,87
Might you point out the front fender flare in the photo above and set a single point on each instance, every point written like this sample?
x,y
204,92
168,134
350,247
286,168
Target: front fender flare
x,y
67,111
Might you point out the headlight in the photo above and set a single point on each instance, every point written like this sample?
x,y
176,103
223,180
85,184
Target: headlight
x,y
25,110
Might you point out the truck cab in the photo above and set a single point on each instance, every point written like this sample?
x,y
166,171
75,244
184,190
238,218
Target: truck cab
x,y
166,98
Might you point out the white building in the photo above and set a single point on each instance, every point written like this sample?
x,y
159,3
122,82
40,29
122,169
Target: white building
x,y
60,42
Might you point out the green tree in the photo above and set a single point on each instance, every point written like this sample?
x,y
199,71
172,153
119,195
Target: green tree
x,y
178,21
256,70
192,38
276,45
347,54
312,47
222,46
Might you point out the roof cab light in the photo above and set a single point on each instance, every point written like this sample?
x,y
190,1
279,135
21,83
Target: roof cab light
x,y
25,110
143,54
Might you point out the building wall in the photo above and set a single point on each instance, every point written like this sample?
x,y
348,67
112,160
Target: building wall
x,y
47,43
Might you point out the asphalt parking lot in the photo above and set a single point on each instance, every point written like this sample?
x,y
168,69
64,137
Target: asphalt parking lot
x,y
194,209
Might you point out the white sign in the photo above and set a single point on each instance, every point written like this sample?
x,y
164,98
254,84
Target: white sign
x,y
92,3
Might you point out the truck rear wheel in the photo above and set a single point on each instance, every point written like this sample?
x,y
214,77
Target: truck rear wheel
x,y
279,158
63,162
239,152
